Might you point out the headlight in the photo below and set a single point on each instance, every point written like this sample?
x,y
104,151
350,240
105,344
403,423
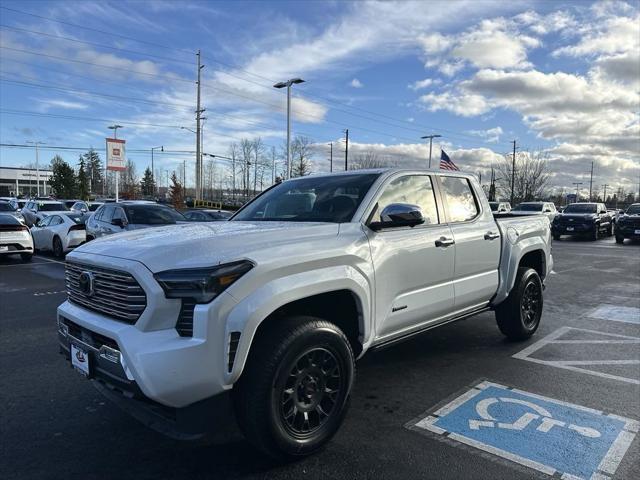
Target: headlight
x,y
201,284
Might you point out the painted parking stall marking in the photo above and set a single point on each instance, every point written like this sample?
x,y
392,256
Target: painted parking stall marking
x,y
585,351
548,435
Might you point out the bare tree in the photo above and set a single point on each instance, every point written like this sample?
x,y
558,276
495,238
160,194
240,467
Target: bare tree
x,y
369,159
301,151
532,175
233,154
246,148
129,181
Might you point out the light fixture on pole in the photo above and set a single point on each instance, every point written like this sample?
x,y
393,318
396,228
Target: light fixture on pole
x,y
430,137
288,84
153,175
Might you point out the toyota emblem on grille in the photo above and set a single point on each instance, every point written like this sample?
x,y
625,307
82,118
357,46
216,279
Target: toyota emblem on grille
x,y
86,284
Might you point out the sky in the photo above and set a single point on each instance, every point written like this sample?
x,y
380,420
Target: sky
x,y
562,78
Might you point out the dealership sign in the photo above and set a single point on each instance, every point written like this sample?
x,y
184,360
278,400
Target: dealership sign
x,y
115,154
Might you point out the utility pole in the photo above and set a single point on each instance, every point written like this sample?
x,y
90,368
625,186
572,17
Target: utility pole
x,y
430,137
273,165
346,150
604,195
577,184
513,172
153,178
198,113
331,158
591,182
38,167
184,179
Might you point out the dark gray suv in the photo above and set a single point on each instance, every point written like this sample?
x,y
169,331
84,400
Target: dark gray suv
x,y
130,215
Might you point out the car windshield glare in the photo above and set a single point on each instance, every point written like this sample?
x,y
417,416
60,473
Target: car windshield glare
x,y
581,208
633,210
529,207
333,199
152,215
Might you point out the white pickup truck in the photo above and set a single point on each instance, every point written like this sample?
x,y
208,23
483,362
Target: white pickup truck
x,y
264,315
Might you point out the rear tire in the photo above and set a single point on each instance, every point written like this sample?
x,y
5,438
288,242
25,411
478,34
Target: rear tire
x,y
556,236
619,239
26,257
610,230
58,252
294,391
518,317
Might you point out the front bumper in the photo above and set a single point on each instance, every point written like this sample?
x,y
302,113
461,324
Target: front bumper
x,y
211,417
628,231
577,229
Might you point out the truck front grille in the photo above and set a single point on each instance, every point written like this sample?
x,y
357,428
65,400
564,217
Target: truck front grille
x,y
115,294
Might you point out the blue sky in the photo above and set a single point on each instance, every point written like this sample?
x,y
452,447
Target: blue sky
x,y
562,77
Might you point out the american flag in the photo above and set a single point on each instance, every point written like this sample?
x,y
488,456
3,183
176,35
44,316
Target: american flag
x,y
446,163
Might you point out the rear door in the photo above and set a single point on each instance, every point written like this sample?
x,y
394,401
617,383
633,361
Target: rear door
x,y
477,242
105,220
52,229
38,234
413,275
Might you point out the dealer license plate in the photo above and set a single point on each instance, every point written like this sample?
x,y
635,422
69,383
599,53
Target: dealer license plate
x,y
569,229
4,248
80,360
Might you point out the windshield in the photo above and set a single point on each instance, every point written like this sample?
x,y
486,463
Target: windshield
x,y
6,207
580,208
152,215
94,206
633,210
52,207
529,207
219,215
70,203
310,199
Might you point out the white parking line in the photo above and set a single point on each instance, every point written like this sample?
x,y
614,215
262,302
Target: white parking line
x,y
576,365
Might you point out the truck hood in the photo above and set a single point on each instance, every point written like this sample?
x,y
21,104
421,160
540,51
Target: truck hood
x,y
194,245
578,216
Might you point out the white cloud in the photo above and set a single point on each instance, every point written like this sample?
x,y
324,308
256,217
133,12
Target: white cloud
x,y
491,135
558,21
466,105
614,35
422,84
355,83
47,104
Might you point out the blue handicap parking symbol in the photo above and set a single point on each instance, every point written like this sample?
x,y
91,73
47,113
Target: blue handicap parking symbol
x,y
539,432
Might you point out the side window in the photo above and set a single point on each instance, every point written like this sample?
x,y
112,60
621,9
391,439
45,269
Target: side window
x,y
107,214
45,222
459,196
412,189
55,220
98,214
118,213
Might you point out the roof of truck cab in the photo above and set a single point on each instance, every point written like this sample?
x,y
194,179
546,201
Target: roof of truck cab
x,y
380,171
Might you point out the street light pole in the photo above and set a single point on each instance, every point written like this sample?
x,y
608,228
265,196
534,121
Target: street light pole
x,y
331,158
38,168
288,84
153,177
430,137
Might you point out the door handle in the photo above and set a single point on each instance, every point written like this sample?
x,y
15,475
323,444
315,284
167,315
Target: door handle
x,y
445,242
491,236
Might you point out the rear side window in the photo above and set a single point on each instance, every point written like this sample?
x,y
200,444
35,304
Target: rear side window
x,y
460,199
55,220
107,214
411,189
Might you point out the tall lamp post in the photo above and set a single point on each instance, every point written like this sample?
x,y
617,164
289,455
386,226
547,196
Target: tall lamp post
x,y
430,137
288,84
38,169
153,175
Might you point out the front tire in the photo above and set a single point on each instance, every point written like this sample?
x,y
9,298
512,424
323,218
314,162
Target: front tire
x,y
518,317
294,391
58,251
596,233
556,236
619,239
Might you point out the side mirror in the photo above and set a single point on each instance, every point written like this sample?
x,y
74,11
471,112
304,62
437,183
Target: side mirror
x,y
399,215
83,210
119,222
547,210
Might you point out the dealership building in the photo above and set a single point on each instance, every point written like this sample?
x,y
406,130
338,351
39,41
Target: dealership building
x,y
15,181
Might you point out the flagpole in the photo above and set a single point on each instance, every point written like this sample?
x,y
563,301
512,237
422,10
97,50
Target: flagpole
x,y
430,137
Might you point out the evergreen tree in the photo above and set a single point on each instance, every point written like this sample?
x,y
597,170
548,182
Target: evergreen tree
x,y
175,192
94,170
147,185
63,179
82,180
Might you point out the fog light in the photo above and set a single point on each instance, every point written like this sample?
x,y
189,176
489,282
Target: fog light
x,y
110,354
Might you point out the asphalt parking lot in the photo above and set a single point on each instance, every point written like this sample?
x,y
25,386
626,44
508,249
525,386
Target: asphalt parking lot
x,y
586,353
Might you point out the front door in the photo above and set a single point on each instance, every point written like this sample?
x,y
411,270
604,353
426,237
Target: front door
x,y
413,276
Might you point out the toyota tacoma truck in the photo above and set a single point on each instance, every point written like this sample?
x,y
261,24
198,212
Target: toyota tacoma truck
x,y
261,318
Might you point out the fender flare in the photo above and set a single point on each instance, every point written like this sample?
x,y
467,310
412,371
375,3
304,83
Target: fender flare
x,y
247,315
